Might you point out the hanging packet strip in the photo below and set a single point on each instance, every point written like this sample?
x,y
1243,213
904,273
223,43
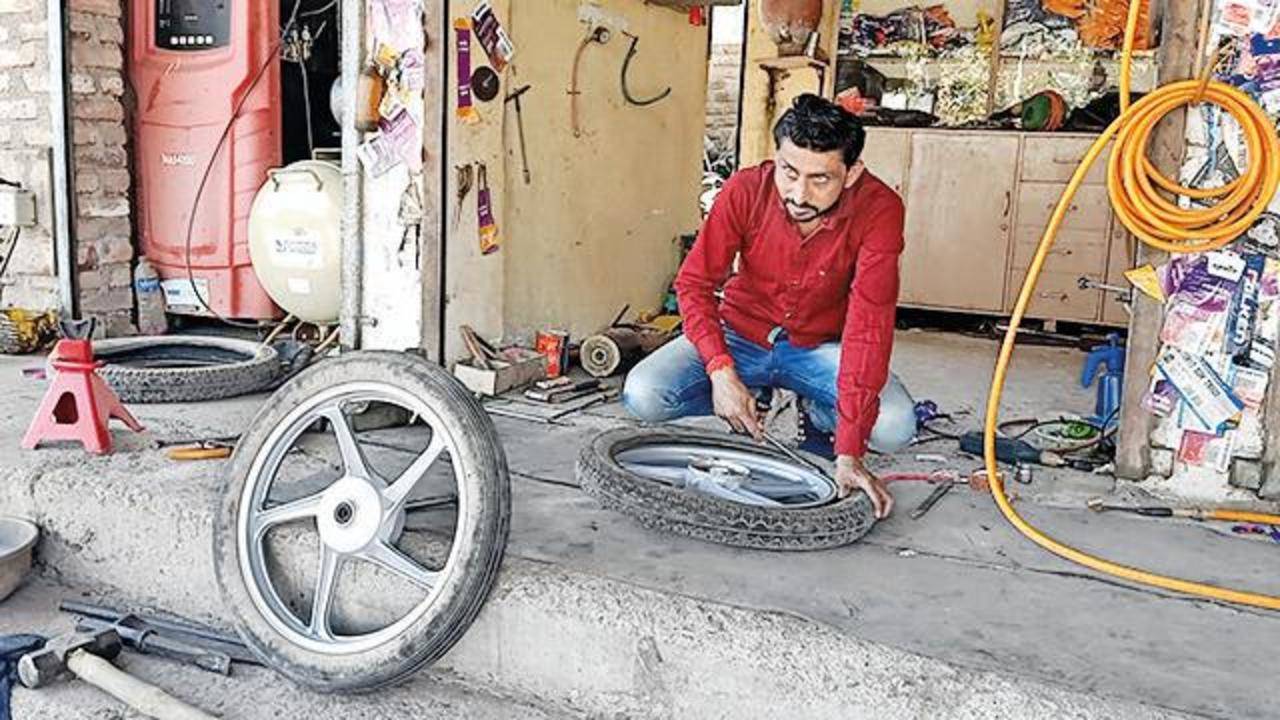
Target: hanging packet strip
x,y
1211,400
397,23
1244,310
1266,329
401,133
492,37
462,32
484,212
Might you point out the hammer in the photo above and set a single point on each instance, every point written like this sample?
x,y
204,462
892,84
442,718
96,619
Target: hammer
x,y
88,656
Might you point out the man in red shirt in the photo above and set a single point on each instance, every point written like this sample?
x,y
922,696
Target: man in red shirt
x,y
810,308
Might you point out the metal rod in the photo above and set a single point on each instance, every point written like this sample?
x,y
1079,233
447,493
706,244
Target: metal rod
x,y
63,186
353,20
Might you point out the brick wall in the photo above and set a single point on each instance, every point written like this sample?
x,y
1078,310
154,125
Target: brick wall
x,y
103,221
104,226
722,94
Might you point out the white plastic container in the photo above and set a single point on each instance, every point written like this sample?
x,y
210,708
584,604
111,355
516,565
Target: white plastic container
x,y
295,239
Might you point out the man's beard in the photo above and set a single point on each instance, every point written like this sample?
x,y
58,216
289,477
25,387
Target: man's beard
x,y
807,212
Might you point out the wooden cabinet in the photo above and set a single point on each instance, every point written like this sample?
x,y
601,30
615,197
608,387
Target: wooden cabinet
x,y
959,209
888,156
978,203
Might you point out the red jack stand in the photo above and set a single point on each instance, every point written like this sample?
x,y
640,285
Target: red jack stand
x,y
78,405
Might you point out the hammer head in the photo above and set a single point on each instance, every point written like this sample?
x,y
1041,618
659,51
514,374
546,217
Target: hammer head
x,y
43,666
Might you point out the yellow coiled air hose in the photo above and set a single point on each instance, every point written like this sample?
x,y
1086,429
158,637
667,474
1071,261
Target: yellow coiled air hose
x,y
1135,187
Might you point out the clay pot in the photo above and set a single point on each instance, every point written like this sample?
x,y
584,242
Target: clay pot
x,y
790,22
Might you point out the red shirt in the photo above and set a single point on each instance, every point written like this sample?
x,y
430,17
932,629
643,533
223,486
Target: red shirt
x,y
840,282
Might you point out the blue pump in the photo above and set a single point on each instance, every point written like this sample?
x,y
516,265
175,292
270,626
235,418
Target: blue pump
x,y
1107,360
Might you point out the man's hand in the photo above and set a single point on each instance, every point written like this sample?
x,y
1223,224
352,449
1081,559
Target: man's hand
x,y
851,474
734,403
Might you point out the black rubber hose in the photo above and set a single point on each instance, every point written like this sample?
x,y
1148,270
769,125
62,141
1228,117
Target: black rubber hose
x,y
626,91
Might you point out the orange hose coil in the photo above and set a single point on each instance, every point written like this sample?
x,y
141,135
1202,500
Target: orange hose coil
x,y
1134,185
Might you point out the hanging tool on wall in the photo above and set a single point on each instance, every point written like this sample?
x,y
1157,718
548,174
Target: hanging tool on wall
x,y
464,180
626,66
411,216
598,35
462,33
484,212
514,98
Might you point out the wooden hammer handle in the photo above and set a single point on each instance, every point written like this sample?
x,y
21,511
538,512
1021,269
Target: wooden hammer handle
x,y
143,697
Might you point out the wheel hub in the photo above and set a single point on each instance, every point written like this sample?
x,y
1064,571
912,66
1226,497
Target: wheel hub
x,y
350,515
725,473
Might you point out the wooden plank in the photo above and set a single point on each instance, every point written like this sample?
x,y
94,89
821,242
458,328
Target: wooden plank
x,y
436,27
1177,58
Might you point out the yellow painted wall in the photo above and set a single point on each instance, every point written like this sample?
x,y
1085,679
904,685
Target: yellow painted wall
x,y
474,282
596,228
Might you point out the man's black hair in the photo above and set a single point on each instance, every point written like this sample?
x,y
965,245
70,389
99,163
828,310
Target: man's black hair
x,y
820,125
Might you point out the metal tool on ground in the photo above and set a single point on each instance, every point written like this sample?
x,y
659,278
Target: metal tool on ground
x,y
1199,514
88,656
205,450
565,393
553,418
938,493
191,632
1011,451
513,97
136,634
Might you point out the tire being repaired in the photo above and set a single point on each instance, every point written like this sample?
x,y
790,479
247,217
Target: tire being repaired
x,y
720,488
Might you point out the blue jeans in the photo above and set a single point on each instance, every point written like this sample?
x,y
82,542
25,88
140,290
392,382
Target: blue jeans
x,y
672,383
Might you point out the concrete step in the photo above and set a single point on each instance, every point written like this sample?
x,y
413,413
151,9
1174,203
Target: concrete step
x,y
135,528
251,693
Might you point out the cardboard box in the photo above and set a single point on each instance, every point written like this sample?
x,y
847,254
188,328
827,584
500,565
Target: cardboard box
x,y
521,368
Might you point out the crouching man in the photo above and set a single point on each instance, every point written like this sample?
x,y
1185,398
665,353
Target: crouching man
x,y
810,307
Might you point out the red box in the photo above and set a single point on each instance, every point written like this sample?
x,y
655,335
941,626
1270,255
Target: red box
x,y
555,346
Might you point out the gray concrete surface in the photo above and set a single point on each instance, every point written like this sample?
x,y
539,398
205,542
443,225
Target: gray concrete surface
x,y
250,693
951,616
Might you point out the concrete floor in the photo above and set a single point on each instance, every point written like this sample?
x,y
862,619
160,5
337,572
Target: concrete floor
x,y
958,586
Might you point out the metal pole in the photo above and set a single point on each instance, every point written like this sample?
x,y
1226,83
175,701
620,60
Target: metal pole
x,y
63,186
353,41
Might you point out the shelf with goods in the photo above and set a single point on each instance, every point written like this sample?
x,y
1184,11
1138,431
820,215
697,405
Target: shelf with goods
x,y
948,55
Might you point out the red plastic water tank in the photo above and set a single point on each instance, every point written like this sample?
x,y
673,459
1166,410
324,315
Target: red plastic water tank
x,y
191,63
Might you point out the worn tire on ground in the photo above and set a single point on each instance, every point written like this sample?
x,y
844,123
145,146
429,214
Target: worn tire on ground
x,y
662,507
179,368
461,596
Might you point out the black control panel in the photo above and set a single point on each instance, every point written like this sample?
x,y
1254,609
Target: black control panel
x,y
191,25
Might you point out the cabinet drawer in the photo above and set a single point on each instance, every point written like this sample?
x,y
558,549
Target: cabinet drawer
x,y
887,154
1057,296
1089,209
1055,159
1082,253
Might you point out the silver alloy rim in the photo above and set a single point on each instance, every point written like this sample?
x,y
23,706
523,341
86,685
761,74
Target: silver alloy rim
x,y
737,475
358,518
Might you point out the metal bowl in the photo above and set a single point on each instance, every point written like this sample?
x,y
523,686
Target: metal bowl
x,y
17,540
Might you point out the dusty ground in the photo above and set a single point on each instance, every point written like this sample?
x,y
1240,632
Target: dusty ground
x,y
959,586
